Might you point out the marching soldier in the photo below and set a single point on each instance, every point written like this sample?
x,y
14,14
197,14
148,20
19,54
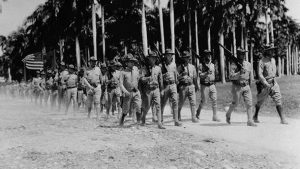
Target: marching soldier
x,y
93,88
208,88
36,86
240,76
104,82
153,85
170,89
62,85
71,83
129,85
48,85
81,88
54,88
43,87
113,87
187,85
267,85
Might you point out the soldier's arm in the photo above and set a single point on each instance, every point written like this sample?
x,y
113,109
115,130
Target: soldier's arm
x,y
251,70
123,89
160,79
195,78
233,74
86,83
261,77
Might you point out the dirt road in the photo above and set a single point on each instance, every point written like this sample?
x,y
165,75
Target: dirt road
x,y
31,137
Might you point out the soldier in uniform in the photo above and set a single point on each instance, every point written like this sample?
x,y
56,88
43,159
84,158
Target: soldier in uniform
x,y
153,85
48,85
170,89
71,83
80,88
129,85
104,82
240,76
267,85
113,87
93,87
62,91
208,88
54,88
188,85
43,88
36,86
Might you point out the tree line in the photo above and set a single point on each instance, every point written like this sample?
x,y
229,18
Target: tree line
x,y
74,30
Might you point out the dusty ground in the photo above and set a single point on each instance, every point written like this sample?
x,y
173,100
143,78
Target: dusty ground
x,y
31,137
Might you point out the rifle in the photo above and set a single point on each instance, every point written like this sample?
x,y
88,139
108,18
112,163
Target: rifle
x,y
163,66
201,60
232,57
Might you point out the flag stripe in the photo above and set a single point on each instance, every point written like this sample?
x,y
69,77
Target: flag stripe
x,y
34,61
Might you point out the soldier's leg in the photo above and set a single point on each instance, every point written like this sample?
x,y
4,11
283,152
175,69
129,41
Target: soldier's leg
x,y
192,99
110,96
117,101
182,96
173,98
53,98
156,103
154,113
125,108
97,101
68,98
146,103
261,97
235,101
247,94
74,98
276,96
163,102
80,98
213,98
89,103
136,104
204,92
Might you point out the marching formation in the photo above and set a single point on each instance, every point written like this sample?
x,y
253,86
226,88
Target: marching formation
x,y
128,87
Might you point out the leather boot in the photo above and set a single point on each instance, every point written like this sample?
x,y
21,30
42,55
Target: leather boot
x,y
215,117
143,118
194,119
281,115
255,117
198,111
121,123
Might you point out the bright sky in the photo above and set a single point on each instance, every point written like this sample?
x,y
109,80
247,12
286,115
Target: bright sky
x,y
15,11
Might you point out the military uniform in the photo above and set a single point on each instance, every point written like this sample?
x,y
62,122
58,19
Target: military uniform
x,y
129,85
187,86
114,91
170,88
62,89
241,87
54,90
267,85
71,84
152,93
36,88
208,87
48,86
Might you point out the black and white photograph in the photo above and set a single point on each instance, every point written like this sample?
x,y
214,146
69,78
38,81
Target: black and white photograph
x,y
149,84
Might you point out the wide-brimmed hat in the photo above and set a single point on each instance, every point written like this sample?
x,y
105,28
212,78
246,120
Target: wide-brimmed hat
x,y
269,47
241,51
93,58
169,51
71,66
152,54
129,57
103,65
186,55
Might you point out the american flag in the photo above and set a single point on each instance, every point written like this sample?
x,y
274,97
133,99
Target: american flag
x,y
34,61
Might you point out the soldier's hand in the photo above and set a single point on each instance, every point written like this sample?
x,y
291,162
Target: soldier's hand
x,y
268,86
126,93
162,92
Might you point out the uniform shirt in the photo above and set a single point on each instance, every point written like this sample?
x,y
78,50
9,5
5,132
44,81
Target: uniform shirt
x,y
187,73
94,75
36,82
171,74
81,83
115,80
49,83
266,69
129,79
63,76
155,77
43,83
243,75
72,80
207,76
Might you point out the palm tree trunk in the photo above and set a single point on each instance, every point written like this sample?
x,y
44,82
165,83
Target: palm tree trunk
x,y
196,33
251,60
208,39
103,33
190,27
161,25
172,27
283,67
272,31
144,30
242,37
61,46
246,43
94,30
292,59
288,60
297,59
234,40
267,28
77,48
222,60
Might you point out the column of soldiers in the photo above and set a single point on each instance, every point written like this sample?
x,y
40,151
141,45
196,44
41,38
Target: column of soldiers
x,y
132,89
